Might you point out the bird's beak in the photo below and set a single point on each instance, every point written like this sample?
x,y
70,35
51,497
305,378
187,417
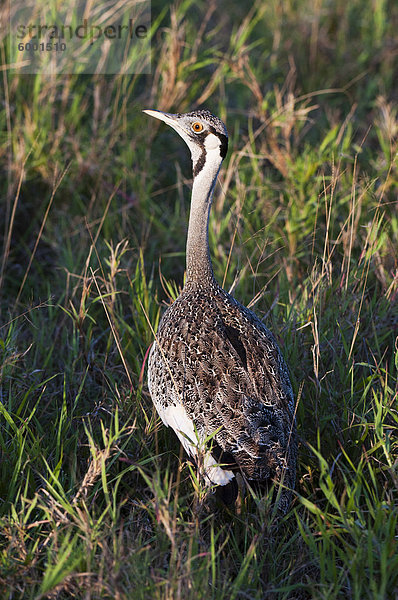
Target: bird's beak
x,y
158,114
168,118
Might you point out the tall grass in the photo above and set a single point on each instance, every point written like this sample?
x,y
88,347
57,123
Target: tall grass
x,y
97,499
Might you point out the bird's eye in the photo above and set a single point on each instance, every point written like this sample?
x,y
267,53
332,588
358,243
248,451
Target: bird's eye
x,y
197,127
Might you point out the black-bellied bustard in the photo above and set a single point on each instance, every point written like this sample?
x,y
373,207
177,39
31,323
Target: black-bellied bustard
x,y
216,374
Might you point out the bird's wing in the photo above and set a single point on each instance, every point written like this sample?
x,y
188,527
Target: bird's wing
x,y
225,373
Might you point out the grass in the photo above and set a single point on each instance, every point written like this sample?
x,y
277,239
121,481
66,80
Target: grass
x,y
97,499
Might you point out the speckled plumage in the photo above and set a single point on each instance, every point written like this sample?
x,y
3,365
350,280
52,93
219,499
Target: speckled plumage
x,y
218,369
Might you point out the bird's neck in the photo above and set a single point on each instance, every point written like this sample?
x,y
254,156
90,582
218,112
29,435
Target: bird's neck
x,y
199,267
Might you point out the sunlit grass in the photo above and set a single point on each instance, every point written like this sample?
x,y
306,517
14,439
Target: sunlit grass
x,y
97,498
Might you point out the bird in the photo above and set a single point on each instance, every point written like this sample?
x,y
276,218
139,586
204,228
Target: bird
x,y
216,374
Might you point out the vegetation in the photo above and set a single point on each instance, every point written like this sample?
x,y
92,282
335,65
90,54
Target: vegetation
x,y
97,499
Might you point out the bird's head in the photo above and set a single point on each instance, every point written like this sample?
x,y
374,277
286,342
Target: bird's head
x,y
205,135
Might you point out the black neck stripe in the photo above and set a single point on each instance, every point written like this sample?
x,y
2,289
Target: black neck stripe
x,y
224,144
200,163
223,141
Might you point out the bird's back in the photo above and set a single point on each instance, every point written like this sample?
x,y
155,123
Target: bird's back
x,y
216,372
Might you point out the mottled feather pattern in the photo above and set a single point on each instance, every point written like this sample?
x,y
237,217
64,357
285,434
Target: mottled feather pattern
x,y
216,357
